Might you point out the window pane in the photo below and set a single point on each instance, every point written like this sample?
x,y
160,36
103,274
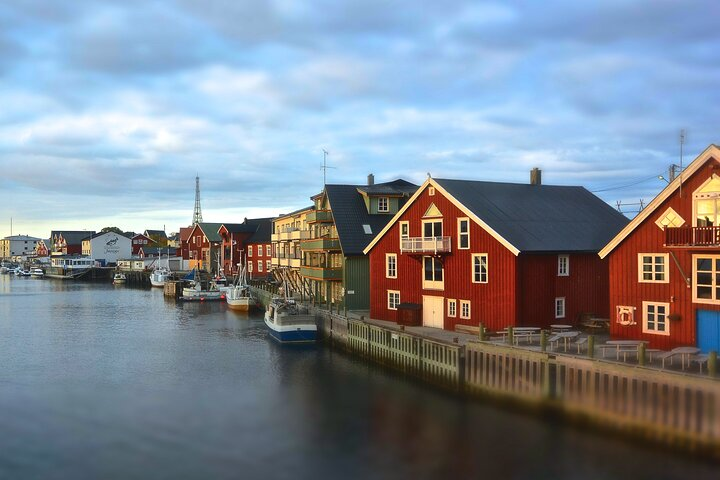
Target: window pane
x,y
438,271
704,264
659,277
704,279
428,268
428,230
647,268
659,260
647,276
704,292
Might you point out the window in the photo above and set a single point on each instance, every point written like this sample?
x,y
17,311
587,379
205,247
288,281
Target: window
x,y
452,307
706,278
464,309
431,191
393,299
250,251
432,228
391,265
260,266
706,203
669,219
383,204
367,229
250,267
560,307
652,267
404,231
479,268
432,273
655,318
463,233
563,265
268,265
260,250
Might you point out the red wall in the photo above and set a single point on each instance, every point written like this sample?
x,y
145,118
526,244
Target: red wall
x,y
585,288
648,238
492,303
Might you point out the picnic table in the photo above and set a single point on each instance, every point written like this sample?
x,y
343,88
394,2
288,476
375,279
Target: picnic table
x,y
521,332
684,353
564,336
623,346
555,328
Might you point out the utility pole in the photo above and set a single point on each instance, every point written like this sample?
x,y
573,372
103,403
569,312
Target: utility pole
x,y
325,167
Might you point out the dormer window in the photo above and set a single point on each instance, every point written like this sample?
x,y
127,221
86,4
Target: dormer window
x,y
706,203
383,204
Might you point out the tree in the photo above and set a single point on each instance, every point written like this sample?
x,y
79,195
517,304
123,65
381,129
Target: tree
x,y
112,229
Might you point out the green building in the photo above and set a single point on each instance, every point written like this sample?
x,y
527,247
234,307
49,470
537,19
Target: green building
x,y
346,218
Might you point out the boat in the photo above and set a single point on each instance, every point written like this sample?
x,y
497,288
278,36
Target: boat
x,y
161,274
4,270
290,323
199,289
119,278
20,272
37,272
238,296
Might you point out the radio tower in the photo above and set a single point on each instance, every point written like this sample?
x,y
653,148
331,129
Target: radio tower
x,y
197,214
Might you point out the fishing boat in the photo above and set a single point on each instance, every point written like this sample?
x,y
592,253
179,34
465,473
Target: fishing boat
x,y
37,272
199,289
161,274
119,278
20,272
238,297
290,323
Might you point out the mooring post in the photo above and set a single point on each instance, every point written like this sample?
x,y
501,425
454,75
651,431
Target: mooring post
x,y
591,346
510,335
481,332
712,363
543,340
641,354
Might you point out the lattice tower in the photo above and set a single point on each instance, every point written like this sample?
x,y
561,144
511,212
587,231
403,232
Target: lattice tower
x,y
197,214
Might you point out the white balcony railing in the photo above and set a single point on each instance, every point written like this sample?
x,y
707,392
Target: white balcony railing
x,y
432,245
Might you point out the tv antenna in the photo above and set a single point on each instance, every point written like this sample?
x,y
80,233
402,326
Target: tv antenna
x,y
324,166
682,143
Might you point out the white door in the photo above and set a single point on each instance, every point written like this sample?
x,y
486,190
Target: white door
x,y
433,311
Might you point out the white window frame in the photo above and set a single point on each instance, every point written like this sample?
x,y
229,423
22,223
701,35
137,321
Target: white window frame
x,y
462,234
655,331
393,295
250,267
432,284
715,299
250,249
386,202
268,265
391,261
670,218
463,304
653,272
560,306
260,265
452,307
563,266
260,250
433,221
473,272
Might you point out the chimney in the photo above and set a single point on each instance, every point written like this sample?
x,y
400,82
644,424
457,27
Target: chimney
x,y
535,176
371,179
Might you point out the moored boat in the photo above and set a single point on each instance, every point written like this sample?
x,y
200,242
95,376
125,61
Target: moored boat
x,y
119,278
238,296
37,272
201,290
160,276
289,323
4,270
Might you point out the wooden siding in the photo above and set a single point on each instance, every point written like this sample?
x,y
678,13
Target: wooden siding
x,y
357,280
625,289
492,303
585,289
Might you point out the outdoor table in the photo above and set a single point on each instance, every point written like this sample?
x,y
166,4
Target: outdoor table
x,y
567,336
625,343
555,328
685,353
526,332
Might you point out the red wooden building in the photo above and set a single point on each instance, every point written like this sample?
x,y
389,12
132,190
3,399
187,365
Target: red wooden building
x,y
498,253
203,246
68,242
249,241
139,241
665,264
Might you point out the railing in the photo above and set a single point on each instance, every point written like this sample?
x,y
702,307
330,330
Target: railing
x,y
425,245
320,244
320,216
692,236
321,273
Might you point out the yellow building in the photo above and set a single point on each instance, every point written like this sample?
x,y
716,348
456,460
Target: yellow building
x,y
288,231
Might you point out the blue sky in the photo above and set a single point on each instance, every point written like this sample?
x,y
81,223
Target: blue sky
x,y
108,110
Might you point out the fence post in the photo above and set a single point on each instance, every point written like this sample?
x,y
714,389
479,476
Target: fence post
x,y
591,346
543,340
641,354
481,332
511,332
712,363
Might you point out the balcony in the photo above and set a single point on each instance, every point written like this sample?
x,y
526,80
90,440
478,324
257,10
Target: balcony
x,y
692,237
325,244
426,245
320,216
320,273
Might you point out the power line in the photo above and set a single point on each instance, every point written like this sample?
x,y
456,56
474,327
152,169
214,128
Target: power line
x,y
618,187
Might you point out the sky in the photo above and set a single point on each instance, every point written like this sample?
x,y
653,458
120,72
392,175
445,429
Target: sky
x,y
108,110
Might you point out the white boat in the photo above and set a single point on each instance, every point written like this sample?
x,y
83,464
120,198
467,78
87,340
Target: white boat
x,y
238,296
119,278
198,289
37,272
290,323
161,274
21,272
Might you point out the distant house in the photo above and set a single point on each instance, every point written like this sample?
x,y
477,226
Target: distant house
x,y
18,246
259,248
141,240
203,246
288,232
158,236
498,253
106,248
346,218
241,243
665,264
68,242
42,248
184,235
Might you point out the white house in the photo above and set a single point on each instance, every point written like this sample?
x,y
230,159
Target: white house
x,y
107,248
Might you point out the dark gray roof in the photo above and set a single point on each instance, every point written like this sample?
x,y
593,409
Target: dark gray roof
x,y
263,229
350,214
540,218
73,237
158,233
398,187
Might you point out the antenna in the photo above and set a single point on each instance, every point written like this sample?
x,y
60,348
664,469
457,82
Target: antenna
x,y
197,214
682,142
324,166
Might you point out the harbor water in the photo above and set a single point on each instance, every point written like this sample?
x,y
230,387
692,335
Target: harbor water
x,y
103,381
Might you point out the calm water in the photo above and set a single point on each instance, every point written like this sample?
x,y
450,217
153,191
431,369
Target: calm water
x,y
99,381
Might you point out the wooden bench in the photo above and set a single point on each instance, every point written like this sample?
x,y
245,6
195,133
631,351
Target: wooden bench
x,y
469,329
595,323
